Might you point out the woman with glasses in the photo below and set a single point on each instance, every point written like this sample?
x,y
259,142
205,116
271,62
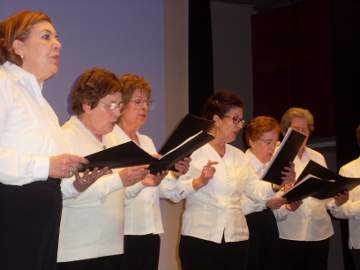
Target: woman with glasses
x,y
262,137
143,222
35,172
214,233
91,233
305,233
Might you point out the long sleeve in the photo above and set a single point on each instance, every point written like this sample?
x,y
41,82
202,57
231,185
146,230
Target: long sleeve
x,y
281,213
350,209
175,190
97,192
23,159
132,191
19,169
83,143
257,190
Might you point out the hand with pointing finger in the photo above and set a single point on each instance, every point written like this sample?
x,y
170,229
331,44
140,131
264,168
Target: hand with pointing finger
x,y
206,174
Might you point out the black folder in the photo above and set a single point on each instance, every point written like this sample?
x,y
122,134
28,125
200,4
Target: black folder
x,y
286,153
319,182
188,126
319,171
130,154
185,149
123,155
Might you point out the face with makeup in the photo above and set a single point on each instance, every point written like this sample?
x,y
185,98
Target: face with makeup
x,y
101,119
136,109
228,127
263,148
40,51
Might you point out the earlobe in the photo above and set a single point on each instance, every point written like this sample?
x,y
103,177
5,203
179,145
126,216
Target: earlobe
x,y
86,107
18,47
216,119
251,143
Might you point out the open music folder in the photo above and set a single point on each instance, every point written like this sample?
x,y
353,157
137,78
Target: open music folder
x,y
285,154
187,127
130,154
319,182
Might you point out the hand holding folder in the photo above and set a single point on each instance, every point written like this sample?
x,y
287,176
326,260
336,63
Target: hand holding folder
x,y
319,182
285,154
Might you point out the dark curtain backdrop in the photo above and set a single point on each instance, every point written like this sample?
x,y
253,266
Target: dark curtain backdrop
x,y
307,55
346,40
200,55
292,62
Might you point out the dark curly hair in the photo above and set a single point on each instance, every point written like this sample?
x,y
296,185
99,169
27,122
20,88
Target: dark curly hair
x,y
221,103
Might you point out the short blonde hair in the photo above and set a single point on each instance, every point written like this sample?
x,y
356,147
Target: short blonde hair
x,y
296,112
130,83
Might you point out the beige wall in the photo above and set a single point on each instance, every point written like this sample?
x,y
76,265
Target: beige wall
x,y
176,91
232,55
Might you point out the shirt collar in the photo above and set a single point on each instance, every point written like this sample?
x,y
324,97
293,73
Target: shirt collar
x,y
257,164
21,74
121,133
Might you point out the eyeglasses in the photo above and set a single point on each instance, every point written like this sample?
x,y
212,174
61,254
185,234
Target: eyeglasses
x,y
301,129
270,142
140,102
236,119
112,106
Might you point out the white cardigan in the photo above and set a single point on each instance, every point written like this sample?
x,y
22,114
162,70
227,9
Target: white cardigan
x,y
310,222
92,223
351,209
215,209
142,204
250,206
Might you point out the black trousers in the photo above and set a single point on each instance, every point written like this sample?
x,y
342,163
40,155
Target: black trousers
x,y
263,240
198,254
103,263
356,256
29,225
304,255
141,252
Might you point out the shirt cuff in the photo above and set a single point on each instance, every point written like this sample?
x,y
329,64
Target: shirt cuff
x,y
67,188
134,190
188,187
41,167
112,181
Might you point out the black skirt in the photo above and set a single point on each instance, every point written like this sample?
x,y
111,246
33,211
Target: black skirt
x,y
29,225
263,240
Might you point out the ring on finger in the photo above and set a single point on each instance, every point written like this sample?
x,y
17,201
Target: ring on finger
x,y
71,171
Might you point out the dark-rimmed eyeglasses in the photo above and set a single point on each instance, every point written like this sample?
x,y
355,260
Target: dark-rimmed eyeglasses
x,y
236,119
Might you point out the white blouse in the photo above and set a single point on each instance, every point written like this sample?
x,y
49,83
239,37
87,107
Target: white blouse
x,y
29,130
215,210
311,221
92,223
351,209
250,206
142,204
